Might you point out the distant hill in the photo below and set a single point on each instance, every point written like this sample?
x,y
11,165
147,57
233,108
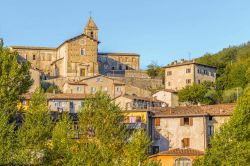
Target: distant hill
x,y
233,64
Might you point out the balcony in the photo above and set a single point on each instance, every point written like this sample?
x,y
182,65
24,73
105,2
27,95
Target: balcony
x,y
137,125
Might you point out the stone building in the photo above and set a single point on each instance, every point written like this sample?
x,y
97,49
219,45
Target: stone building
x,y
183,133
168,96
91,85
188,127
78,57
180,74
64,102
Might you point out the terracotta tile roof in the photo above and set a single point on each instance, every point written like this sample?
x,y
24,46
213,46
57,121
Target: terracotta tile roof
x,y
218,110
60,96
32,48
117,54
180,152
186,63
140,98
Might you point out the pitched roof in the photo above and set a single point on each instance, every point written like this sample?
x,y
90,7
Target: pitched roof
x,y
180,152
139,98
91,24
60,96
186,63
117,54
33,48
214,110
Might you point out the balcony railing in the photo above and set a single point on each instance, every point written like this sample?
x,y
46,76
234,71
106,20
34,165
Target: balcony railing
x,y
137,125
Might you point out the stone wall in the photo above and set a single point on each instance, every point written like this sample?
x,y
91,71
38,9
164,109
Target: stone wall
x,y
137,74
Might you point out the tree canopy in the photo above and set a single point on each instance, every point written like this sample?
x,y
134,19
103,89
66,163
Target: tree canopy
x,y
231,146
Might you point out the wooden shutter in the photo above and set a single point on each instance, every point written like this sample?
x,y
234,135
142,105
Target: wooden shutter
x,y
182,121
186,142
157,122
191,121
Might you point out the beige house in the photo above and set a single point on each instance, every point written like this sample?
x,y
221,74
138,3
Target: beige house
x,y
78,57
128,102
188,127
64,102
91,85
168,96
181,74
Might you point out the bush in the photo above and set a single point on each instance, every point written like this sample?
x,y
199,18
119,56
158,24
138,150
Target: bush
x,y
232,95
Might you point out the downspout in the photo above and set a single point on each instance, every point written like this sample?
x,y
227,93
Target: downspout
x,y
205,132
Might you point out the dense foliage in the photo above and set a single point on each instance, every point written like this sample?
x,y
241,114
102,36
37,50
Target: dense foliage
x,y
199,93
155,71
233,66
231,145
14,79
233,76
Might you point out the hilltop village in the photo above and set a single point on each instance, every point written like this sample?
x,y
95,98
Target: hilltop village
x,y
179,131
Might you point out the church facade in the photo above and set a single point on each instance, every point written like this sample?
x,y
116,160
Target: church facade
x,y
78,57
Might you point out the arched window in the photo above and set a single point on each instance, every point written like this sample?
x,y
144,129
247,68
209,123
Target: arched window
x,y
183,162
34,57
92,34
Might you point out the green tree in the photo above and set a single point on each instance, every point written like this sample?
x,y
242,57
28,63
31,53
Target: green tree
x,y
198,93
231,146
14,79
63,144
7,140
105,139
35,132
154,70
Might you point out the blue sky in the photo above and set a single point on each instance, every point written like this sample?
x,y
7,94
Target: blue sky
x,y
158,30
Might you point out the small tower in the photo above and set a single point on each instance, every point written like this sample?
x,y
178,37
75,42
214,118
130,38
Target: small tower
x,y
91,29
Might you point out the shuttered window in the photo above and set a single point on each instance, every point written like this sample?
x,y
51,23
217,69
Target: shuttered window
x,y
157,122
186,121
185,142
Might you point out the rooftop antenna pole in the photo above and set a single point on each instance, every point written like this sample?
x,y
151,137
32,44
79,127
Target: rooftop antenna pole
x,y
189,56
90,13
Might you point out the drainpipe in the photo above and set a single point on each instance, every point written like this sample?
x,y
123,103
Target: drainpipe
x,y
205,131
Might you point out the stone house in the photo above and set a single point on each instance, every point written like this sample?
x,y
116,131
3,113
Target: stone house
x,y
168,96
188,127
128,102
62,102
91,85
181,74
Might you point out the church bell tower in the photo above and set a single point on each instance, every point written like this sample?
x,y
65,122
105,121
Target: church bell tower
x,y
91,29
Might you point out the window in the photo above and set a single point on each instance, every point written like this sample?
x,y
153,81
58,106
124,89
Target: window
x,y
92,34
105,89
169,83
185,142
93,89
120,67
127,68
210,118
199,81
99,79
157,135
182,162
169,73
210,130
78,89
58,103
34,57
188,70
188,81
118,89
205,72
157,122
155,149
186,121
82,72
113,68
82,51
